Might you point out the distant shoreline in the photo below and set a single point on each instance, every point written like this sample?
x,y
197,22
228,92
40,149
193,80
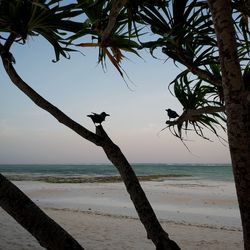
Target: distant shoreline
x,y
88,179
107,173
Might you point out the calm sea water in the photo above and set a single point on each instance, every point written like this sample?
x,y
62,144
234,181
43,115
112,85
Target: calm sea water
x,y
218,172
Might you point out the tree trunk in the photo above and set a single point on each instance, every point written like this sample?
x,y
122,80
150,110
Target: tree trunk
x,y
146,214
48,233
237,102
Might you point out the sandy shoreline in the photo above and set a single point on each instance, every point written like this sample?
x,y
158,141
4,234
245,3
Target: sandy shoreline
x,y
196,214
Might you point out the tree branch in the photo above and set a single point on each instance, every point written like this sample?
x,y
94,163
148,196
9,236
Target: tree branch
x,y
146,213
33,219
193,115
242,6
44,104
203,74
10,40
117,5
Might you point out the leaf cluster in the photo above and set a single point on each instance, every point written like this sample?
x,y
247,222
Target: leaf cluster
x,y
194,95
184,32
50,19
120,40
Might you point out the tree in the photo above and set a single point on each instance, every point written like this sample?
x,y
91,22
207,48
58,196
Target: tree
x,y
33,219
23,18
214,85
237,101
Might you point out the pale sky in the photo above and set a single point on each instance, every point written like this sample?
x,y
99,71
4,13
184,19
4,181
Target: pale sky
x,y
78,87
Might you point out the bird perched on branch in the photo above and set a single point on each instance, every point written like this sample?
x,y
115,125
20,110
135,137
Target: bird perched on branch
x,y
98,118
172,114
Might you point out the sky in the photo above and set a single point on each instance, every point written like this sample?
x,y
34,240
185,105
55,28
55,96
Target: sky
x,y
79,86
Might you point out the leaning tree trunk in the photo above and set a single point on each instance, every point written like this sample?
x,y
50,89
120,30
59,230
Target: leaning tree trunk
x,y
146,214
48,233
237,100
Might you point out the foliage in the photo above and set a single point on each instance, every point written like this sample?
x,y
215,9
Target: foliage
x,y
184,31
120,40
50,19
194,94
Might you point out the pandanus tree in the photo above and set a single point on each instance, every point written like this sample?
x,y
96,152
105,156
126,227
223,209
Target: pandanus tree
x,y
20,19
210,42
185,34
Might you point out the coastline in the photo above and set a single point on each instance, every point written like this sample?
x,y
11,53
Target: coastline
x,y
88,178
198,214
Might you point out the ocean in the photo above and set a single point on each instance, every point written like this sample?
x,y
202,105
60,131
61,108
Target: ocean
x,y
106,172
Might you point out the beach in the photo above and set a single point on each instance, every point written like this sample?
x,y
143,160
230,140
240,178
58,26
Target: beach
x,y
197,214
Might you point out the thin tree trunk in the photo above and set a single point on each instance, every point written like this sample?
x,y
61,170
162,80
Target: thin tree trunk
x,y
145,211
146,214
236,94
48,233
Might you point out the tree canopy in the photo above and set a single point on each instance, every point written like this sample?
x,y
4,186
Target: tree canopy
x,y
182,30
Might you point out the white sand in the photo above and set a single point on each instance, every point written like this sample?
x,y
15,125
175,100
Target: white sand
x,y
196,214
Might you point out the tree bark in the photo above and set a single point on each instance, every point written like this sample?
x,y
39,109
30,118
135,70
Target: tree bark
x,y
48,233
146,214
236,93
117,5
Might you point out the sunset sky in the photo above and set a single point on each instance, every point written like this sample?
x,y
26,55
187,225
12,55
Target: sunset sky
x,y
78,87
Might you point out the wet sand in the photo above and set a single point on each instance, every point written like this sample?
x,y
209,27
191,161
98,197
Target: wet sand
x,y
197,214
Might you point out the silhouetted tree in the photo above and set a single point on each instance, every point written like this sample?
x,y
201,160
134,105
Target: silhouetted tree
x,y
213,87
23,18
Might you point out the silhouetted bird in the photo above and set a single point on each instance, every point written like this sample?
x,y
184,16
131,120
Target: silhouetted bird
x,y
172,113
98,118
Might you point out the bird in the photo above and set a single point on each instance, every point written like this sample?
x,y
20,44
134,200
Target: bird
x,y
98,118
172,114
